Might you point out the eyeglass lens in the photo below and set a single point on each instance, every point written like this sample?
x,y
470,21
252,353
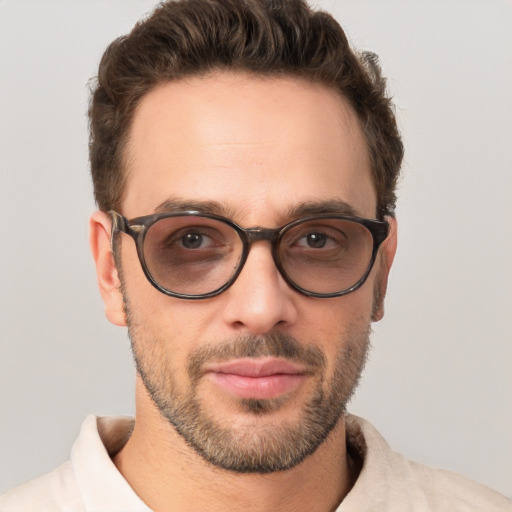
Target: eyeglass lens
x,y
195,255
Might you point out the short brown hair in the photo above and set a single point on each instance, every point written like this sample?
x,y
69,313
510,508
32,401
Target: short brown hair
x,y
269,37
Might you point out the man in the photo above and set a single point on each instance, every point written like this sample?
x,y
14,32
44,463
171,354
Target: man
x,y
244,163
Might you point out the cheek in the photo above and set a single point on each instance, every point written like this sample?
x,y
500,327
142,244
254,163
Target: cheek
x,y
353,309
160,324
334,323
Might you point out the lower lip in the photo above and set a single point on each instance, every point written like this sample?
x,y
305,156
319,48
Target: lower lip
x,y
259,388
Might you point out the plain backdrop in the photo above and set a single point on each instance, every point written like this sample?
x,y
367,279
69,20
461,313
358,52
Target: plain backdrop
x,y
439,381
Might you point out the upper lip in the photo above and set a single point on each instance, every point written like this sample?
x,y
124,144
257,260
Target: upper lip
x,y
257,367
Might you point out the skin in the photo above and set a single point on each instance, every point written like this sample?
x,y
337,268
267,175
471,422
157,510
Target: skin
x,y
258,147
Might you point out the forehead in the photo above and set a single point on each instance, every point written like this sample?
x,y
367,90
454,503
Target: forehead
x,y
258,146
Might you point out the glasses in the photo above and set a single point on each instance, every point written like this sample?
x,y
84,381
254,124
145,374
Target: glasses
x,y
193,255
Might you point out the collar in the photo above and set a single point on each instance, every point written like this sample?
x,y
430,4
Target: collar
x,y
101,485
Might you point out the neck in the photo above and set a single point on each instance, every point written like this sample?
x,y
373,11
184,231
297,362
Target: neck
x,y
168,474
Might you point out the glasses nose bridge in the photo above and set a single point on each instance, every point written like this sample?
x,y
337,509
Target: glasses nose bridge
x,y
259,234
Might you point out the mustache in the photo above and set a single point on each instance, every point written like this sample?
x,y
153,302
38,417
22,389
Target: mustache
x,y
281,345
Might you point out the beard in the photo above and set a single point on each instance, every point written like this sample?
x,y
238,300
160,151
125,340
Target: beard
x,y
250,446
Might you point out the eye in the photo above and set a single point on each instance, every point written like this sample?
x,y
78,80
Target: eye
x,y
318,240
195,240
315,240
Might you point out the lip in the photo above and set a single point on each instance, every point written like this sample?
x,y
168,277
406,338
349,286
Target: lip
x,y
261,378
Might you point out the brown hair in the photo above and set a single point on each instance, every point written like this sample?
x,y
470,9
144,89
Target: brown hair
x,y
270,37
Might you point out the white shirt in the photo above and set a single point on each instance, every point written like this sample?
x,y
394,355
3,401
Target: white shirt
x,y
90,482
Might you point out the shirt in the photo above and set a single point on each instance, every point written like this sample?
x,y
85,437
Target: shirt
x,y
90,482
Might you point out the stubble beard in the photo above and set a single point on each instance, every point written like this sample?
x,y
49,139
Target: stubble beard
x,y
253,447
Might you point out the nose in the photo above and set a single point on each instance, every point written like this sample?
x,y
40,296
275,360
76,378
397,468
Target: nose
x,y
260,300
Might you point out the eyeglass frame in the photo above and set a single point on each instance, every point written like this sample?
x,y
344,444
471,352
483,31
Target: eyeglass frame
x,y
138,227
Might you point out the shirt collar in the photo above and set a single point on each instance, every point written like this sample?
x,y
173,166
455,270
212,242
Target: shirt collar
x,y
101,485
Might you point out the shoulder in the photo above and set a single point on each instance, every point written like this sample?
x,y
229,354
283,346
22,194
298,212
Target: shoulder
x,y
389,481
88,481
444,490
54,492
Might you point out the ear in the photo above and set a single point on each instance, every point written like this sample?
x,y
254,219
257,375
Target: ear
x,y
106,271
386,256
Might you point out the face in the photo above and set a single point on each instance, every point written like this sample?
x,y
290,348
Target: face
x,y
255,378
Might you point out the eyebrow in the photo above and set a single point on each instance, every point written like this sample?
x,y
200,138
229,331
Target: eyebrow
x,y
303,209
186,205
330,206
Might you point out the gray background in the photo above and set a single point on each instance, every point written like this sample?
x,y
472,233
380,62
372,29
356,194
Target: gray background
x,y
438,385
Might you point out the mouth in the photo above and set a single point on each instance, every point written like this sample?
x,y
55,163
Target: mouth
x,y
257,378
